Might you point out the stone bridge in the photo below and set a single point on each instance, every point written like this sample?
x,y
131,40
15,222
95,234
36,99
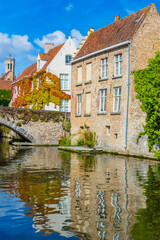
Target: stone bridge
x,y
37,127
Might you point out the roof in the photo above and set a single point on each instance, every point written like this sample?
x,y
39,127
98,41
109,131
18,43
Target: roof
x,y
5,85
51,54
117,32
28,71
3,77
44,57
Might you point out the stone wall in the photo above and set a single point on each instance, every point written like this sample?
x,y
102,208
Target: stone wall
x,y
36,126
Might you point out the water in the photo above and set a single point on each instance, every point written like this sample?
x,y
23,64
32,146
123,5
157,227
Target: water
x,y
47,194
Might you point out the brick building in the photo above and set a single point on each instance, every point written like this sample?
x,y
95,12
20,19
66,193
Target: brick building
x,y
103,95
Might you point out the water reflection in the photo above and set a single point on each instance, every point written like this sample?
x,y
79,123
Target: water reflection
x,y
148,219
89,197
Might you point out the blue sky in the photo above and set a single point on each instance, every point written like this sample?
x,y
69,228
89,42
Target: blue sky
x,y
26,25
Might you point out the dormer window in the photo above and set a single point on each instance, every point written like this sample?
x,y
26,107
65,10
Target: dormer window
x,y
68,59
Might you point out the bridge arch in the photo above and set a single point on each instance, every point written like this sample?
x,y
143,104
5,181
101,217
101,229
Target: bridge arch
x,y
20,131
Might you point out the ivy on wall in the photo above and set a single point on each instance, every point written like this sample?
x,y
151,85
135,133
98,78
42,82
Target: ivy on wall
x,y
39,90
5,97
147,86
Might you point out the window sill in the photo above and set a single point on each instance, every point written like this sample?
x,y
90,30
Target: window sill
x,y
65,90
87,115
102,79
67,63
102,113
80,84
88,82
118,76
115,113
77,115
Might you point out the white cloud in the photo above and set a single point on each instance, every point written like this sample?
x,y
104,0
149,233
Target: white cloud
x,y
14,45
77,37
128,11
69,7
56,37
31,58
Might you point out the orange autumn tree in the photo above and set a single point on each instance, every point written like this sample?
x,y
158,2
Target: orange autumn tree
x,y
39,90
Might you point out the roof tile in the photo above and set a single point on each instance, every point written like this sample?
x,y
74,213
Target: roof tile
x,y
117,32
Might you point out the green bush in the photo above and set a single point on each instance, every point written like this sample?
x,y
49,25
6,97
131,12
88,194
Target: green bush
x,y
147,86
5,97
87,138
80,142
65,141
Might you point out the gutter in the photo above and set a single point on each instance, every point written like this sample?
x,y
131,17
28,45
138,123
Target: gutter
x,y
128,85
102,50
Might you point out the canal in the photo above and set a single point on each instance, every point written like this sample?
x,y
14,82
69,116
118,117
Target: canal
x,y
49,194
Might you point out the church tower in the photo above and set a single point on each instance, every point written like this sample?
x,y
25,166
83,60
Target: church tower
x,y
9,68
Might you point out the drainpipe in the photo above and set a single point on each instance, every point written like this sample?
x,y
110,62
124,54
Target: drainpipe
x,y
128,84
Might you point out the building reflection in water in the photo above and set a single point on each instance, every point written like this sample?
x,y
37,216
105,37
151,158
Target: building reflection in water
x,y
91,197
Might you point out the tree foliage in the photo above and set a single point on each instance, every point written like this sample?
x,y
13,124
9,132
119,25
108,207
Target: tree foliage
x,y
30,93
5,97
147,86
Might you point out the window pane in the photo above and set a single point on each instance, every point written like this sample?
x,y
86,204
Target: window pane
x,y
68,59
104,66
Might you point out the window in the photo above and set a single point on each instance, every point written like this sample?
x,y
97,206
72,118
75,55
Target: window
x,y
117,99
79,99
68,59
64,81
104,68
64,105
79,75
37,83
103,98
118,65
88,72
88,103
8,65
11,66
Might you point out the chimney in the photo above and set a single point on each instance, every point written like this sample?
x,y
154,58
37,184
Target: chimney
x,y
48,46
117,18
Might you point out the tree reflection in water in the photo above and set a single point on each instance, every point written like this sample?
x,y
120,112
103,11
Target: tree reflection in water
x,y
147,226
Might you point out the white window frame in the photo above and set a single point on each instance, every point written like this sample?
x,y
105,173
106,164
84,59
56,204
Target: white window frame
x,y
103,100
104,68
64,107
38,83
64,80
79,104
117,99
118,65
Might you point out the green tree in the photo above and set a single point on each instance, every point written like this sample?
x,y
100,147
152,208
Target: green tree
x,y
147,86
5,97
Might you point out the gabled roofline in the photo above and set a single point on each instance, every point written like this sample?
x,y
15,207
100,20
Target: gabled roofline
x,y
102,50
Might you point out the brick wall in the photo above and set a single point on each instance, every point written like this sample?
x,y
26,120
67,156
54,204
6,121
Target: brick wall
x,y
143,47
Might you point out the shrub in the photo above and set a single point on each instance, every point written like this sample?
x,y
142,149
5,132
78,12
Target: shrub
x,y
80,142
65,141
88,138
